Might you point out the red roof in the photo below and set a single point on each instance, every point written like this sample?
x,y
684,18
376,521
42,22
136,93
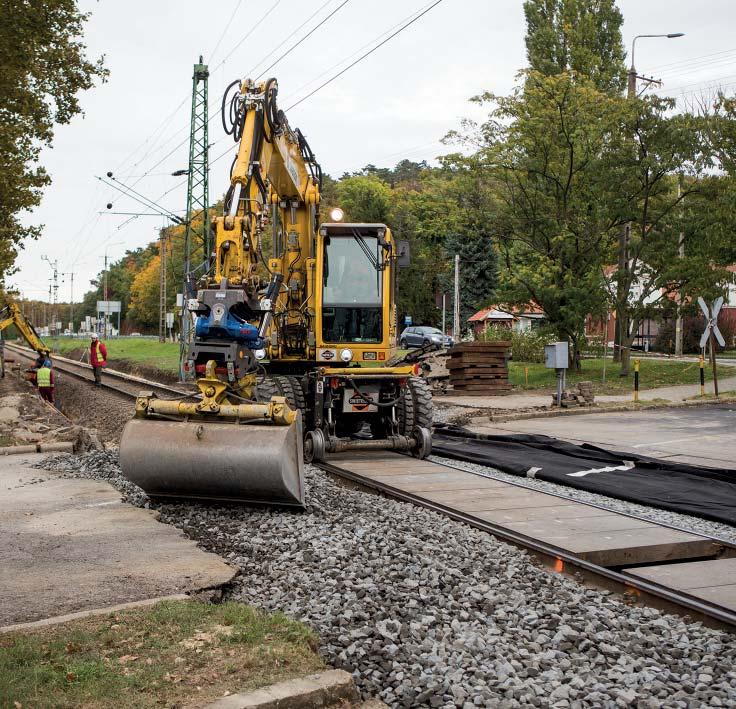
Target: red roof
x,y
513,310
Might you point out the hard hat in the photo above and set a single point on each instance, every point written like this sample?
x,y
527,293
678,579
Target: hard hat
x,y
95,336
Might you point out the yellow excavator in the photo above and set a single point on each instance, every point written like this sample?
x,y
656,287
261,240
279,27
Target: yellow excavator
x,y
295,324
11,314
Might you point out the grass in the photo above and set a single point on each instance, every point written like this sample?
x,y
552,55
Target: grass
x,y
163,356
173,653
653,374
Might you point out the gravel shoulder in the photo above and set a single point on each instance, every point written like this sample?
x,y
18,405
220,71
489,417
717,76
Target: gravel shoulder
x,y
425,611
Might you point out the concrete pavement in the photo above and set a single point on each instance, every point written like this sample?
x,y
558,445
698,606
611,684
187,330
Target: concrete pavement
x,y
703,435
73,545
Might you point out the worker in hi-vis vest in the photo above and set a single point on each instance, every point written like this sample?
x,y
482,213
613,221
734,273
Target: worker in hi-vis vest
x,y
45,381
97,357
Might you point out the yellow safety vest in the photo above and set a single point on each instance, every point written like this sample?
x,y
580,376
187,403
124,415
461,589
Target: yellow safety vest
x,y
98,354
43,377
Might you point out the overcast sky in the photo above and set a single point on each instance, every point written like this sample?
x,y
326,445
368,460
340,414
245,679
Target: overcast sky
x,y
397,103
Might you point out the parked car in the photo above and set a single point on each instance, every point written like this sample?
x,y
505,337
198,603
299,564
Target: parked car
x,y
420,335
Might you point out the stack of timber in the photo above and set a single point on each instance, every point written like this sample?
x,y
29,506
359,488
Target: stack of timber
x,y
480,368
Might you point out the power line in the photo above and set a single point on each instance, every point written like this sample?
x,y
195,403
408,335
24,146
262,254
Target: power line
x,y
224,31
289,36
306,36
363,56
186,98
355,53
689,60
703,81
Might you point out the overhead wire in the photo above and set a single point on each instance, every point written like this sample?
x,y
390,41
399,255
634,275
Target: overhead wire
x,y
215,112
367,54
689,60
224,30
305,37
314,80
289,36
184,129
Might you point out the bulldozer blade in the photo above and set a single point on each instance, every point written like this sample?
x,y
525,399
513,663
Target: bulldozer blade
x,y
249,463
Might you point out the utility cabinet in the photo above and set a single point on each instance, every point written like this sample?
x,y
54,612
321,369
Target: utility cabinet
x,y
555,355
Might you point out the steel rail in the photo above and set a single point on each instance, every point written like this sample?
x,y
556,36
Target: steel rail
x,y
557,559
79,369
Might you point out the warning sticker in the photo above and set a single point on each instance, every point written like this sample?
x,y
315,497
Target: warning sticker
x,y
357,404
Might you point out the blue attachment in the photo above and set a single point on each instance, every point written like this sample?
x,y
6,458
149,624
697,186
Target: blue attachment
x,y
232,328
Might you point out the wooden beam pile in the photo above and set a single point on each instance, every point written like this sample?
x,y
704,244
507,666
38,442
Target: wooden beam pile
x,y
480,368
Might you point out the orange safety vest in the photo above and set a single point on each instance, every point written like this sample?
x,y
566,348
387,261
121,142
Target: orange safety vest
x,y
98,355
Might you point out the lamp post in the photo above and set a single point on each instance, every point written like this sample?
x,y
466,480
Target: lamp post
x,y
622,319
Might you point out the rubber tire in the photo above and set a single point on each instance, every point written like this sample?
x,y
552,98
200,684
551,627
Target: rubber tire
x,y
425,343
423,408
292,390
403,344
266,388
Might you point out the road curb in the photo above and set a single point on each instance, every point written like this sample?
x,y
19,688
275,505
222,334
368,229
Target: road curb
x,y
324,689
53,447
57,619
504,418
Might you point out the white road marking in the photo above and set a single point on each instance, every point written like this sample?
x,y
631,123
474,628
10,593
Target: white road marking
x,y
628,465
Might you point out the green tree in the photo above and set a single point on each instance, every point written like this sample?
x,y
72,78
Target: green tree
x,y
544,154
44,68
364,199
659,206
579,36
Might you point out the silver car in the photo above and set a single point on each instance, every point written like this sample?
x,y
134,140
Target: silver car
x,y
421,335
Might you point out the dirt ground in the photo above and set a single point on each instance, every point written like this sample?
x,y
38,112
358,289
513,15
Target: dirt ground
x,y
96,408
26,419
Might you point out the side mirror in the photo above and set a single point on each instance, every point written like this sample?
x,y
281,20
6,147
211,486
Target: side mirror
x,y
403,257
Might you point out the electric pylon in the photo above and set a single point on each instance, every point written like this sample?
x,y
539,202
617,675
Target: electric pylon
x,y
197,234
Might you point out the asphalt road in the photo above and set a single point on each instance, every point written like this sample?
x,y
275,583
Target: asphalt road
x,y
702,435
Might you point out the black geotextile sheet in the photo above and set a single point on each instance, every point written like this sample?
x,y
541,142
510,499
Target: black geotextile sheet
x,y
709,493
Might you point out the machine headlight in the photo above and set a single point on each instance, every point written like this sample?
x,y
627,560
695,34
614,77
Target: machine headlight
x,y
260,354
336,214
346,355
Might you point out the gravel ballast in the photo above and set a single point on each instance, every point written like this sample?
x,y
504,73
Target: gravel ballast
x,y
425,611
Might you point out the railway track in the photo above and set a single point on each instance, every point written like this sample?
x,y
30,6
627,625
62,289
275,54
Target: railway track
x,y
648,562
126,384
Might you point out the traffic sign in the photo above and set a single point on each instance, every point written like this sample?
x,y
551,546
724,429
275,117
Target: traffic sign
x,y
711,318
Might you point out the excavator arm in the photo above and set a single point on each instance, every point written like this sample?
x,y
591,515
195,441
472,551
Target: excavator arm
x,y
11,314
226,444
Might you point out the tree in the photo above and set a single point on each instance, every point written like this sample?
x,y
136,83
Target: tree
x,y
44,68
578,36
543,154
364,199
659,206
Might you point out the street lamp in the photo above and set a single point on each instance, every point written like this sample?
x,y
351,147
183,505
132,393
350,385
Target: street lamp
x,y
622,320
631,93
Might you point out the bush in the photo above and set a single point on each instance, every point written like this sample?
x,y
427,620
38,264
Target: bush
x,y
526,346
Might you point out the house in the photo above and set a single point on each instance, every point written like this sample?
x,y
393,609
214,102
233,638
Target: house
x,y
596,326
520,318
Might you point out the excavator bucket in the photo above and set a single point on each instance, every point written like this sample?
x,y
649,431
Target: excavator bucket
x,y
246,462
